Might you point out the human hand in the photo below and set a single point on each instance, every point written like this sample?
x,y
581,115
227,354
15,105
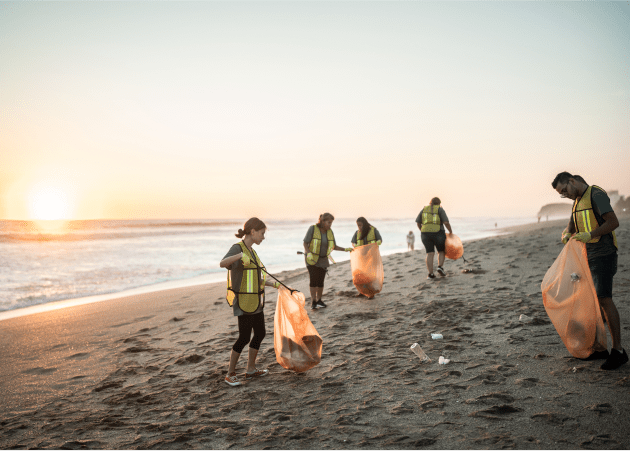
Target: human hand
x,y
379,242
245,259
566,236
348,249
584,237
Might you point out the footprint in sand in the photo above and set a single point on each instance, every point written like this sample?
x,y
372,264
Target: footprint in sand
x,y
78,356
39,371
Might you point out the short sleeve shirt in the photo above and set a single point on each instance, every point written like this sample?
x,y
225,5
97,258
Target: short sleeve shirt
x,y
441,214
377,236
236,270
323,259
605,245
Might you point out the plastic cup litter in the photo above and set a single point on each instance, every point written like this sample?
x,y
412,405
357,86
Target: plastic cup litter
x,y
417,350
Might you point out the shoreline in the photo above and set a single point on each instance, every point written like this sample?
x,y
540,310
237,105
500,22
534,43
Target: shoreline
x,y
147,371
210,278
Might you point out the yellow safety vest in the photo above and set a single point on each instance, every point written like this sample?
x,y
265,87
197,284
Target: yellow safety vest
x,y
370,238
316,244
584,217
430,219
251,293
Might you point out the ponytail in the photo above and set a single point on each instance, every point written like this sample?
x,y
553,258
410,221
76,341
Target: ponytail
x,y
251,224
324,217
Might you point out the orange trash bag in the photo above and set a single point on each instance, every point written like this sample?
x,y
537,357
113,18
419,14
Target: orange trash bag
x,y
453,247
367,269
297,344
571,302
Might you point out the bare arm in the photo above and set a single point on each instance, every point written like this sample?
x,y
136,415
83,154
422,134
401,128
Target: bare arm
x,y
306,249
227,262
448,226
610,223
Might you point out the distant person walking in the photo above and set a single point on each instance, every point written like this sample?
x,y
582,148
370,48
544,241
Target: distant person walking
x,y
319,242
411,239
593,222
246,294
367,234
431,222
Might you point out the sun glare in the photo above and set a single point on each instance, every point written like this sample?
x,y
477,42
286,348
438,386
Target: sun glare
x,y
50,203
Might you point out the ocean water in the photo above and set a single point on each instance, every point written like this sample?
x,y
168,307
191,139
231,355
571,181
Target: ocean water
x,y
47,262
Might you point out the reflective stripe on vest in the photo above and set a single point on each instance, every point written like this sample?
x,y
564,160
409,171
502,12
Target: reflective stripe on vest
x,y
370,238
316,244
584,217
430,219
251,293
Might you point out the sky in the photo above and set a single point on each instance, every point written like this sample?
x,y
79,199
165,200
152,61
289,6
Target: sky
x,y
290,109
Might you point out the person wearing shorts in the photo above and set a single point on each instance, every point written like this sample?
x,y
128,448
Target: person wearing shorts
x,y
431,222
319,242
593,222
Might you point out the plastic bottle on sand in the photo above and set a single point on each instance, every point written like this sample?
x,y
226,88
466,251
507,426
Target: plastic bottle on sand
x,y
417,350
437,336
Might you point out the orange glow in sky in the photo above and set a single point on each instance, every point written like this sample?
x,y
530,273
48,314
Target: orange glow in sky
x,y
290,109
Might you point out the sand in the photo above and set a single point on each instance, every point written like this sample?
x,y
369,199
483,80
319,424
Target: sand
x,y
147,371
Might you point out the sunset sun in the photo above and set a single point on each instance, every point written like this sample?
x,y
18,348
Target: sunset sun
x,y
50,203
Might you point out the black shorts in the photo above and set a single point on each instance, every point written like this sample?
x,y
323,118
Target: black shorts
x,y
602,270
317,275
431,239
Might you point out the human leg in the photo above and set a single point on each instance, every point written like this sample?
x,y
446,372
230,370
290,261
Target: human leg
x,y
603,270
244,333
429,261
612,318
258,325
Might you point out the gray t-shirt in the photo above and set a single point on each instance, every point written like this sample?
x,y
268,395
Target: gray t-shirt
x,y
605,245
377,236
323,259
441,214
237,276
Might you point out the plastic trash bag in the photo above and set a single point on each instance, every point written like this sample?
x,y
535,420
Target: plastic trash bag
x,y
571,302
297,344
367,269
453,247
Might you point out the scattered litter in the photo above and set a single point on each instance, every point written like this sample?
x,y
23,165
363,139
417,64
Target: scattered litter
x,y
524,318
575,277
420,353
443,361
574,369
437,336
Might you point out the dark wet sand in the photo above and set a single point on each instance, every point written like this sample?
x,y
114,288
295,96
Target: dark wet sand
x,y
147,371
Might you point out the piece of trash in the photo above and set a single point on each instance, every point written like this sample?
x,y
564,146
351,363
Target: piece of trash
x,y
524,318
575,277
443,361
437,336
574,369
417,350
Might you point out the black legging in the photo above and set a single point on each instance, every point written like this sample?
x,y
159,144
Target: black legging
x,y
245,325
317,275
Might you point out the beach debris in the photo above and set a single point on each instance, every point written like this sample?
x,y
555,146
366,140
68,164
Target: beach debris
x,y
443,361
417,350
437,336
575,277
524,318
